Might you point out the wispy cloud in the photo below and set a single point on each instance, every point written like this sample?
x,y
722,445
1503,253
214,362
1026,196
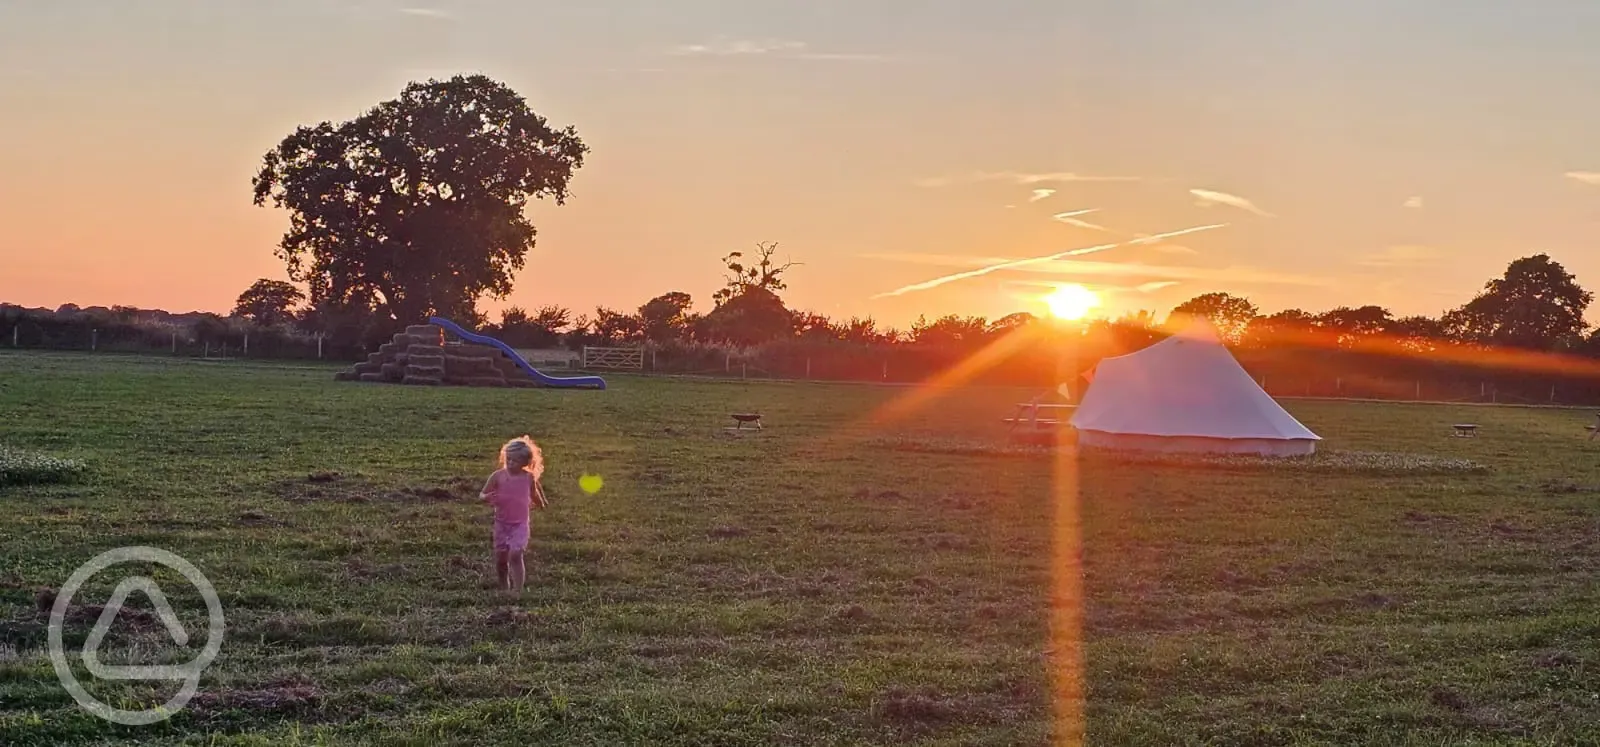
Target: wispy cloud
x,y
435,13
1209,197
1415,202
1071,219
1040,194
1166,248
1155,286
1238,275
1587,177
1024,178
1016,263
772,47
1405,255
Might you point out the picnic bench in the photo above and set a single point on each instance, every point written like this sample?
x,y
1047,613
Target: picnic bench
x,y
1035,417
741,418
1466,430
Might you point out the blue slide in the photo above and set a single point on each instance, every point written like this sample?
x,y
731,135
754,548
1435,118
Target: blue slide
x,y
567,382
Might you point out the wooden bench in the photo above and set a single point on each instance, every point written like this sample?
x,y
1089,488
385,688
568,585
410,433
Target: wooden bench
x,y
1466,430
1027,418
741,418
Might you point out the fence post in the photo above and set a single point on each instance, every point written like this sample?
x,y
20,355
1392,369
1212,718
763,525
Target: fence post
x,y
1552,392
652,360
727,361
1419,390
94,339
14,331
319,345
174,343
885,369
1338,386
205,352
246,353
744,370
1483,390
808,369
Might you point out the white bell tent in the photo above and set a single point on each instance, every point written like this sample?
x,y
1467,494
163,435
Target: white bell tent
x,y
1186,393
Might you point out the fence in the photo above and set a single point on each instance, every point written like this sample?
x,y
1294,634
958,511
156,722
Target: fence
x,y
613,358
1282,373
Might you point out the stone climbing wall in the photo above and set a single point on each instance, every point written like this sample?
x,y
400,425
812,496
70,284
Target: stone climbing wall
x,y
421,356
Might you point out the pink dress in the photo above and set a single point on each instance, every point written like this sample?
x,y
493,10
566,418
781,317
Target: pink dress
x,y
511,494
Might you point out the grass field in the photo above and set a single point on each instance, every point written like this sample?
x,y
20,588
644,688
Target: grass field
x,y
836,580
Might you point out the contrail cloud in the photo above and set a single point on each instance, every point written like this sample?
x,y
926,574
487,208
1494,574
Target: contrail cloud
x,y
936,282
1213,197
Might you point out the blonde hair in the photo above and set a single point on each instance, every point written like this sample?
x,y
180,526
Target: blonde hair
x,y
522,453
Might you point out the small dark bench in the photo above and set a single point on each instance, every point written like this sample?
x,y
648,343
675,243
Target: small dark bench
x,y
1466,430
741,418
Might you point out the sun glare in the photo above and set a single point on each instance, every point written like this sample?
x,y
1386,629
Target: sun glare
x,y
1071,302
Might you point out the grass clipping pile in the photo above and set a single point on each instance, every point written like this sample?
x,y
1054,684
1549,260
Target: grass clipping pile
x,y
1371,462
18,467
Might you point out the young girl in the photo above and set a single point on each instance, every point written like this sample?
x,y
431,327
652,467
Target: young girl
x,y
513,490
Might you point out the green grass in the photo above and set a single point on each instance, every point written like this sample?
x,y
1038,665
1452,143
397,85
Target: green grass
x,y
830,581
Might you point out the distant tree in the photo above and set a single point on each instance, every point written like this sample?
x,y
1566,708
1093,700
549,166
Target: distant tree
x,y
420,202
353,322
1349,326
809,325
613,326
865,331
1419,334
210,329
763,274
1142,318
1537,304
1230,314
1591,345
543,329
552,319
1012,322
665,317
950,331
754,316
268,303
1287,327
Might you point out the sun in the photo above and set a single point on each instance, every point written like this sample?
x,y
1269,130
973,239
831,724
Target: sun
x,y
1071,301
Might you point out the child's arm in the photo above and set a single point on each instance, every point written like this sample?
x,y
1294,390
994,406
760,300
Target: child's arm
x,y
487,494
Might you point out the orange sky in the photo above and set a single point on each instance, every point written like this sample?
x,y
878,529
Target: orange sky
x,y
1397,157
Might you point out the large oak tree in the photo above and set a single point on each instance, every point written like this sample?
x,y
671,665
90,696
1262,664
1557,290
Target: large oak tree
x,y
418,204
1535,304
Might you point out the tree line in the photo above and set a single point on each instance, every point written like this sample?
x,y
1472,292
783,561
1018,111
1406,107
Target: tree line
x,y
418,207
1523,338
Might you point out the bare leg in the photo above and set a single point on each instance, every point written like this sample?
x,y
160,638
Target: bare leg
x,y
502,567
518,571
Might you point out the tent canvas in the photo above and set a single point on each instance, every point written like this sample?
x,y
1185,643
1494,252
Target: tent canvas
x,y
1186,393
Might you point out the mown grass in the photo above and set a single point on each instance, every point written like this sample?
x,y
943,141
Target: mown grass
x,y
835,580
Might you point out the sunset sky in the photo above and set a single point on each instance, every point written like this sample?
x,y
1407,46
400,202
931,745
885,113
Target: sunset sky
x,y
1358,151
